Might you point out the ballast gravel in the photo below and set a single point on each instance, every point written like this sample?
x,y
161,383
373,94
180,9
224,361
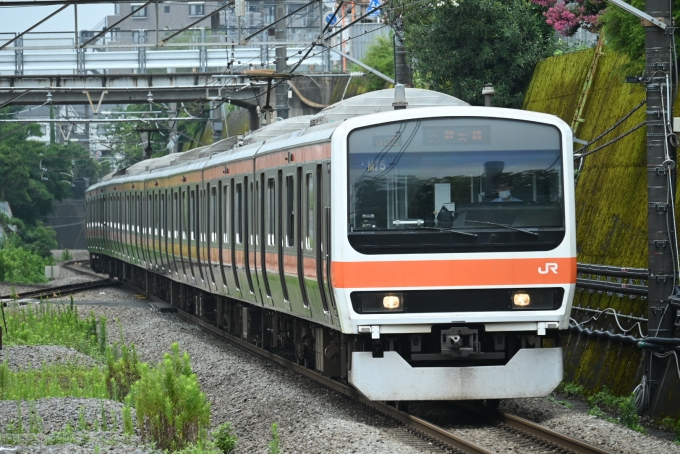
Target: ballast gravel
x,y
253,393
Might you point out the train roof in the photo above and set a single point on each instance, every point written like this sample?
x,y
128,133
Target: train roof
x,y
303,129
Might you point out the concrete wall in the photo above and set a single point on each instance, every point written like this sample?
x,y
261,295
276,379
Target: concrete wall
x,y
611,213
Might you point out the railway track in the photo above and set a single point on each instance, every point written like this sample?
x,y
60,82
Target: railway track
x,y
526,435
62,290
531,437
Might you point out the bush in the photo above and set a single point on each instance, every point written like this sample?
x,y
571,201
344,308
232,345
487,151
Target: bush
x,y
39,240
224,438
171,409
21,266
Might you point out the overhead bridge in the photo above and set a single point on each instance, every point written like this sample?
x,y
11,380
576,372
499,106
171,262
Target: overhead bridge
x,y
130,89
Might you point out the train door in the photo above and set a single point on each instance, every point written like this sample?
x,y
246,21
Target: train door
x,y
237,233
185,250
224,203
160,214
164,230
254,237
212,221
280,239
299,242
325,224
291,250
263,234
153,232
312,241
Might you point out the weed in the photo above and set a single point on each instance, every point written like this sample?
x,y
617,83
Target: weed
x,y
127,417
564,403
224,438
673,425
61,437
66,255
629,416
606,399
55,324
105,425
82,425
596,411
35,421
171,409
571,389
274,444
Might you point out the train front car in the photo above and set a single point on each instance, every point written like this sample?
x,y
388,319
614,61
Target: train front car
x,y
453,251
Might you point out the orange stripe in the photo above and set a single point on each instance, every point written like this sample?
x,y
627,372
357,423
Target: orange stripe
x,y
454,273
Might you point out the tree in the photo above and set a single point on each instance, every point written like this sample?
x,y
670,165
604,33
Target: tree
x,y
379,56
33,175
459,46
127,139
626,35
567,17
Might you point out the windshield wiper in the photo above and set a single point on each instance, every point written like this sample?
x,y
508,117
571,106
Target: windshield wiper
x,y
442,229
503,225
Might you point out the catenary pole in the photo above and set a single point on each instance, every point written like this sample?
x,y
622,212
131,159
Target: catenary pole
x,y
660,185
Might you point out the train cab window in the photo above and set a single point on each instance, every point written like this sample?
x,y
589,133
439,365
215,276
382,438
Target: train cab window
x,y
213,215
290,211
238,212
442,183
309,225
271,212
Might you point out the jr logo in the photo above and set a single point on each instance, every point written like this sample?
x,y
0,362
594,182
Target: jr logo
x,y
548,268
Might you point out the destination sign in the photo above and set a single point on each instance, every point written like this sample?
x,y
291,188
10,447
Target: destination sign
x,y
450,135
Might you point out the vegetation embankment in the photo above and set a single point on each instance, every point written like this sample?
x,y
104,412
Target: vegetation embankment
x,y
162,403
617,409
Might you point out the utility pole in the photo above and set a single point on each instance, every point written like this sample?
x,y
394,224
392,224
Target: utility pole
x,y
402,70
281,63
661,158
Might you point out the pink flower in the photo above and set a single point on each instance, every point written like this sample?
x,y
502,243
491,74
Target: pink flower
x,y
567,17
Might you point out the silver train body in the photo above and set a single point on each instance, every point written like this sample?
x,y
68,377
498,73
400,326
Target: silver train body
x,y
367,242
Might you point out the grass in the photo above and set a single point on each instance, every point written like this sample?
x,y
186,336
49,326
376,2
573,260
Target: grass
x,y
603,403
55,324
172,412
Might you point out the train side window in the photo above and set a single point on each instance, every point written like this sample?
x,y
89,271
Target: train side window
x,y
213,215
175,214
249,197
238,207
192,207
183,215
225,214
290,211
162,220
271,212
155,215
309,231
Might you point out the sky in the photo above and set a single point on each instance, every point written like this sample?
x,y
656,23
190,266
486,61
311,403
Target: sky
x,y
18,19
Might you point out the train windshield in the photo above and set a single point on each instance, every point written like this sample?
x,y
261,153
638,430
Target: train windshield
x,y
455,184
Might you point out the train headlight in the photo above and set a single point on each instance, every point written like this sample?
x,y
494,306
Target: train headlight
x,y
382,302
521,300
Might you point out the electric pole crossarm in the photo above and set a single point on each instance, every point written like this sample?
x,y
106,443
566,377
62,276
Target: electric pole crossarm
x,y
363,65
641,14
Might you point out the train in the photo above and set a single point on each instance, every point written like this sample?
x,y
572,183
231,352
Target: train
x,y
401,241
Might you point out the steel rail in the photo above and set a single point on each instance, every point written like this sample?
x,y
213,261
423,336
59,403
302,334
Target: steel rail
x,y
61,290
431,431
545,434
